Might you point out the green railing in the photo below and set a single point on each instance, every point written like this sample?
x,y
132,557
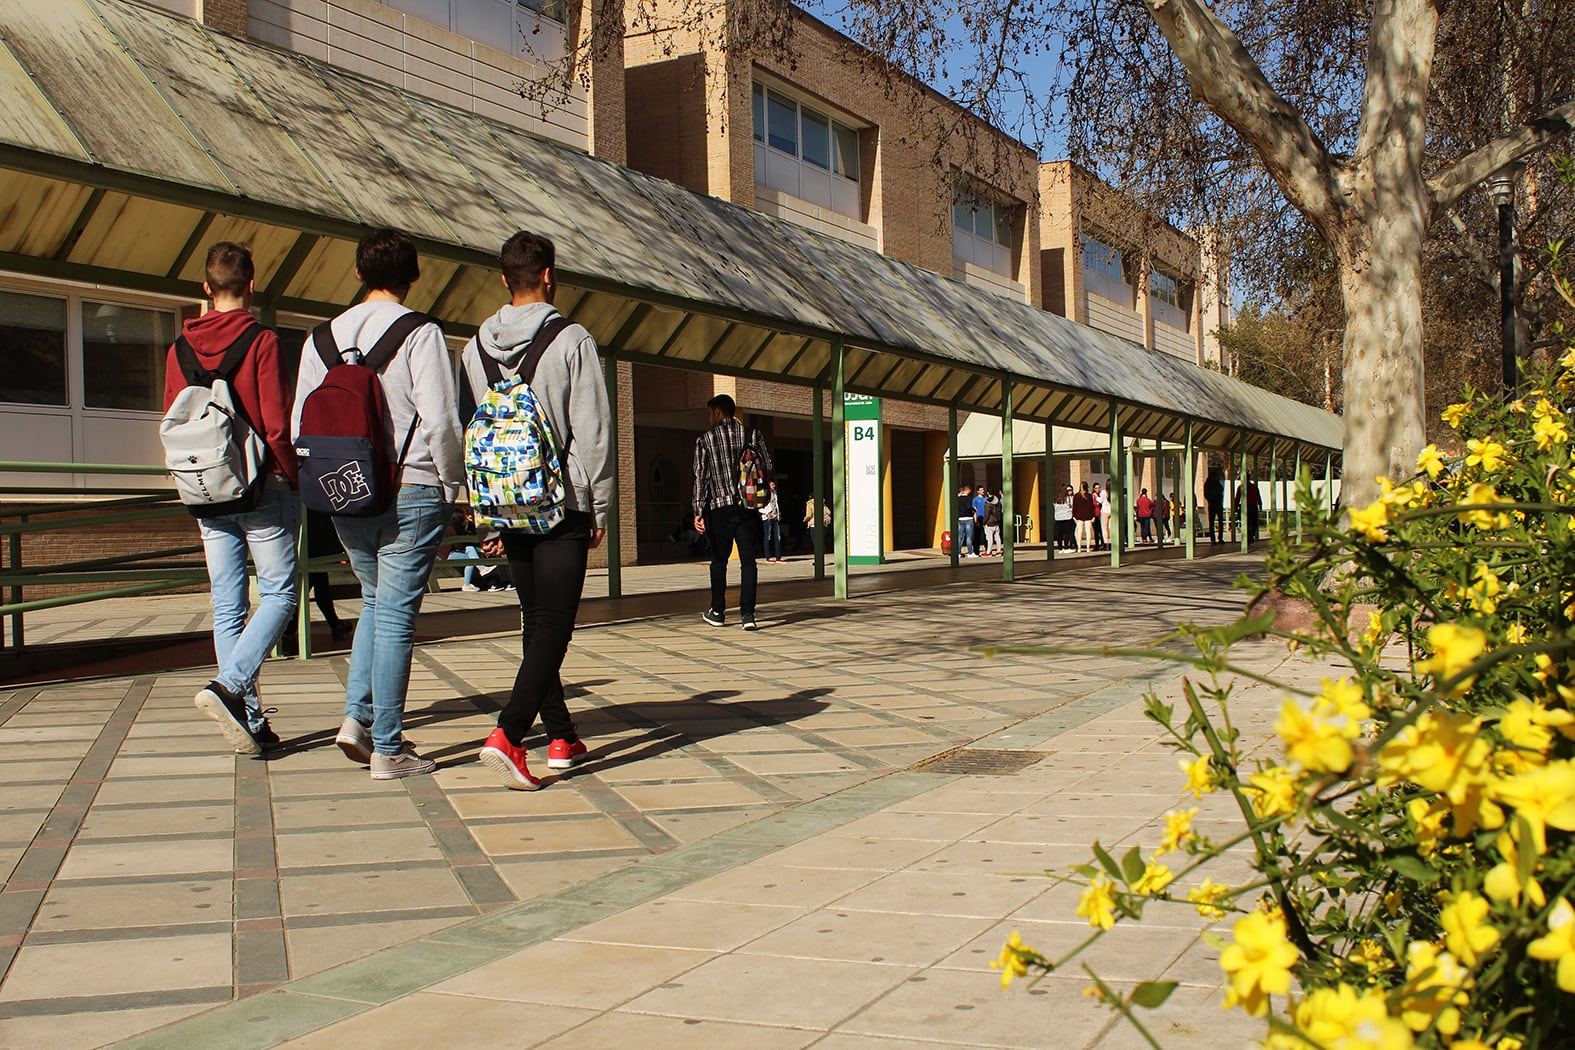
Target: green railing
x,y
129,575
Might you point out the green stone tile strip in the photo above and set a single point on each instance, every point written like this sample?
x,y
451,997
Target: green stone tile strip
x,y
1079,711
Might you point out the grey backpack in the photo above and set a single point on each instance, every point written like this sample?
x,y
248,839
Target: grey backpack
x,y
211,449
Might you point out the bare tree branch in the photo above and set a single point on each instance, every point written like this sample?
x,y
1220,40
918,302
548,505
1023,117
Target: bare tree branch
x,y
1474,168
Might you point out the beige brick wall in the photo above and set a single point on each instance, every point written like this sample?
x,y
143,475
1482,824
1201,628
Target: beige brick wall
x,y
228,15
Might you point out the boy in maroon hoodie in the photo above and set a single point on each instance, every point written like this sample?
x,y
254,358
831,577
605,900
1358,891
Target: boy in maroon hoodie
x,y
268,532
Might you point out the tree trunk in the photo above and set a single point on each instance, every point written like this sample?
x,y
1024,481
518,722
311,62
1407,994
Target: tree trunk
x,y
1380,267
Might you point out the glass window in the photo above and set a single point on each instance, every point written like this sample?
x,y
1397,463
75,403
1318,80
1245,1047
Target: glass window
x,y
1003,226
962,214
557,10
817,139
760,114
782,123
32,349
1164,287
123,350
1101,258
847,151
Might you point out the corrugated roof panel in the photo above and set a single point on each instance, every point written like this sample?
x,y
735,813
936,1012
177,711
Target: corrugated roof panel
x,y
698,339
269,244
80,67
128,233
37,213
253,151
28,119
352,163
469,297
327,275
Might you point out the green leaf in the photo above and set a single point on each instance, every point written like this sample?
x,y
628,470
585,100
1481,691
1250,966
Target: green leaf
x,y
1088,871
1412,867
1107,862
1132,865
1214,940
1151,994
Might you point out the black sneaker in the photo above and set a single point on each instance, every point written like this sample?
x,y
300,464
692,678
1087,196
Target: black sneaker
x,y
712,617
229,710
266,736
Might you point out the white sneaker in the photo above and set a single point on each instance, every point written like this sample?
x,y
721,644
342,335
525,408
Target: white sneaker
x,y
470,587
355,740
405,764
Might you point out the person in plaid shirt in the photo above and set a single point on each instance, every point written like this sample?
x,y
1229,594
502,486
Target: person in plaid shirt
x,y
720,515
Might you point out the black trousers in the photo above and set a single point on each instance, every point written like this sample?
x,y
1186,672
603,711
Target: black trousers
x,y
1217,522
549,577
725,526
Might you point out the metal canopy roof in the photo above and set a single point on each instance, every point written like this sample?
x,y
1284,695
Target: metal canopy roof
x,y
130,139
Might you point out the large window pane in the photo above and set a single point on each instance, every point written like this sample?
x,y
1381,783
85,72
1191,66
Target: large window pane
x,y
123,349
782,123
760,113
1003,226
847,151
962,214
817,139
1163,287
32,349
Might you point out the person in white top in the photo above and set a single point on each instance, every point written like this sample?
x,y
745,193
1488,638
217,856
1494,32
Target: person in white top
x,y
771,521
1106,521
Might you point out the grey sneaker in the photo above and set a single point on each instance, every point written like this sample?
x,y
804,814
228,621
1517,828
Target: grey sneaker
x,y
355,740
712,617
749,624
405,764
229,710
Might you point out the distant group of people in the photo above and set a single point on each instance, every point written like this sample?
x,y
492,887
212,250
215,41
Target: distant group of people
x,y
979,521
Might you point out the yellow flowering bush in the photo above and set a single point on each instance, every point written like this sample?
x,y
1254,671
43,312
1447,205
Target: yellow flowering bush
x,y
1413,831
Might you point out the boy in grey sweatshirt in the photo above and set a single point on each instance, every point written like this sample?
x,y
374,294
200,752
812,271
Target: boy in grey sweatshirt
x,y
548,570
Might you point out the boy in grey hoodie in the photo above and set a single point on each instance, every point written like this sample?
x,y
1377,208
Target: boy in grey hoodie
x,y
548,570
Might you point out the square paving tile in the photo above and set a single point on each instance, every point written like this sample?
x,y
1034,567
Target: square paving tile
x,y
570,835
313,949
568,973
149,964
348,846
162,820
354,812
714,795
870,937
748,989
166,857
765,882
88,1030
500,802
436,1020
71,906
670,1033
929,893
673,923
340,893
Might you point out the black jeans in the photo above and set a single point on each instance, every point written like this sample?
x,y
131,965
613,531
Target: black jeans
x,y
1217,522
549,576
725,526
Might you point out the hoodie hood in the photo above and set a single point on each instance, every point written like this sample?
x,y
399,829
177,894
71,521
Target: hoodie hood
x,y
212,333
505,335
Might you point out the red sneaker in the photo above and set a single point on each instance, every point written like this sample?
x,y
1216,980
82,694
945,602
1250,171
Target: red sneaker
x,y
508,762
562,754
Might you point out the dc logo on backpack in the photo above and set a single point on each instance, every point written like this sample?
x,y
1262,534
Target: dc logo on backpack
x,y
345,487
512,466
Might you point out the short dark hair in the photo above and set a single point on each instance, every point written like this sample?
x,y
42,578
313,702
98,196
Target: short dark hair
x,y
229,269
386,260
725,403
524,258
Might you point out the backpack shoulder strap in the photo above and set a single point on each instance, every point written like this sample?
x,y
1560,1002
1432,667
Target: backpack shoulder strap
x,y
393,338
327,348
538,346
191,366
237,351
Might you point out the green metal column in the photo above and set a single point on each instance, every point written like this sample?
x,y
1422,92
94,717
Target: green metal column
x,y
839,469
1298,502
1274,482
1120,521
1189,504
17,629
818,485
611,540
1159,489
1241,484
953,482
1328,479
1008,533
1134,477
1047,527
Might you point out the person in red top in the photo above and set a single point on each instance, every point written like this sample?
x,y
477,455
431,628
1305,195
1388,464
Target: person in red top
x,y
1084,509
1145,516
269,531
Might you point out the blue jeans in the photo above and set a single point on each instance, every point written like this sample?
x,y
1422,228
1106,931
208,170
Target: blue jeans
x,y
962,543
269,533
392,555
773,544
472,572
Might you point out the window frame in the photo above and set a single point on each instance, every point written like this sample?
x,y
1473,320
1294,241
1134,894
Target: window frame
x,y
840,134
995,216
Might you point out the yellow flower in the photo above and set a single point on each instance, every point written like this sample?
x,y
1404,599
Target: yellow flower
x,y
1258,962
1435,988
1543,797
1516,634
1455,414
1525,726
1489,455
1178,830
1467,932
1403,496
1430,461
1447,754
1207,896
1370,955
1312,742
1371,521
1350,1020
1559,943
1482,496
1274,792
1549,431
1200,776
1014,960
1375,629
1156,877
1429,820
1097,904
1568,360
1455,648
1341,699
1503,879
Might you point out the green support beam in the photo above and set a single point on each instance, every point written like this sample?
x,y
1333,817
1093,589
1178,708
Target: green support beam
x,y
1047,526
1118,486
839,468
611,540
818,487
1298,502
1274,484
1189,504
1008,536
1241,482
953,483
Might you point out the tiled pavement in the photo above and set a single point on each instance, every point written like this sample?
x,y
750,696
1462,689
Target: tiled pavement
x,y
747,859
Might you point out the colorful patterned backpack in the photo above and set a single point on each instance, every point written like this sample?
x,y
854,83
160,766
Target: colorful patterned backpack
x,y
512,464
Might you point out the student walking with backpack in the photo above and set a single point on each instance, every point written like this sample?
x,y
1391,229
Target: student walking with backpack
x,y
223,374
727,455
539,459
378,435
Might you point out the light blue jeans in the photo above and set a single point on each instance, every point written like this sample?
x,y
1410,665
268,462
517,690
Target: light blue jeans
x,y
269,533
392,556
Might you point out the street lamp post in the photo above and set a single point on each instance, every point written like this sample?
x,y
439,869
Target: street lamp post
x,y
1502,187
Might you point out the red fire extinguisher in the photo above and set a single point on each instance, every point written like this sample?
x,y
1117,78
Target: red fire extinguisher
x,y
946,542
